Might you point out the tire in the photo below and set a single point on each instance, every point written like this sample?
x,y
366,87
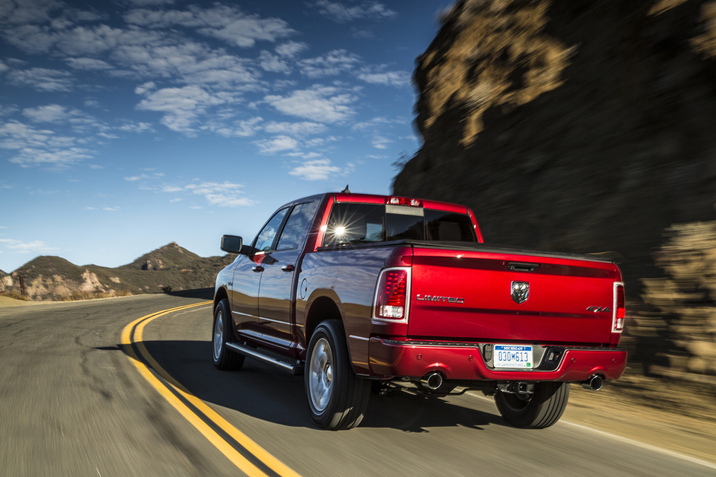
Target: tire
x,y
542,409
337,398
224,358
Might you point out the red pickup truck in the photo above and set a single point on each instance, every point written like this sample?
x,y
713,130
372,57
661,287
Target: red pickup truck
x,y
364,292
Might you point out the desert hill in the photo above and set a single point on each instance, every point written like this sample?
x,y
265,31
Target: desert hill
x,y
170,267
171,256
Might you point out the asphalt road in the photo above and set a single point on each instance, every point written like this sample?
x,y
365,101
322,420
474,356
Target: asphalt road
x,y
72,403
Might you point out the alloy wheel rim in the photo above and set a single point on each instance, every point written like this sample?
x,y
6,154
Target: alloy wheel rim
x,y
218,335
321,375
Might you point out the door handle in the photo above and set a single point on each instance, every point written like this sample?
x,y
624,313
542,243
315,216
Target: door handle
x,y
288,268
258,268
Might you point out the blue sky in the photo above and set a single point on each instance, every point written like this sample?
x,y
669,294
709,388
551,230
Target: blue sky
x,y
129,124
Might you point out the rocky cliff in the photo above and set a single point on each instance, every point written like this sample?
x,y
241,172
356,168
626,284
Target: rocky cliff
x,y
585,126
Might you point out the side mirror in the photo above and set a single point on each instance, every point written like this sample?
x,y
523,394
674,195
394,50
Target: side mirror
x,y
231,243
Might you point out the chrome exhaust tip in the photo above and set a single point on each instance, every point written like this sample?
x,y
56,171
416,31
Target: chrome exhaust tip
x,y
594,383
432,381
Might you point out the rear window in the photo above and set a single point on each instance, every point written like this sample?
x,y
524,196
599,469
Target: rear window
x,y
351,223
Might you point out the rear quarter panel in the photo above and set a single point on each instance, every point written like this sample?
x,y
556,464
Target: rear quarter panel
x,y
348,277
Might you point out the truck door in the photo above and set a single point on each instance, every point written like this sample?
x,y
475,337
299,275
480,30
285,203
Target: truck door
x,y
278,287
247,279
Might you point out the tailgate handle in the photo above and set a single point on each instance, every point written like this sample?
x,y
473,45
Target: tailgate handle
x,y
522,267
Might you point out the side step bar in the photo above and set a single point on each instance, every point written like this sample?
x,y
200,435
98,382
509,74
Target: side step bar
x,y
293,366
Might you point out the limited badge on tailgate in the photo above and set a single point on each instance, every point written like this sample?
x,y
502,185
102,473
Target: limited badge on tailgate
x,y
513,356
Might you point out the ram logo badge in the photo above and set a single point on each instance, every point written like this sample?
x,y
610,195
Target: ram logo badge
x,y
448,299
520,291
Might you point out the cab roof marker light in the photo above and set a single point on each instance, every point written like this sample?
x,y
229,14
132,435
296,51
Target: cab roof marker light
x,y
403,201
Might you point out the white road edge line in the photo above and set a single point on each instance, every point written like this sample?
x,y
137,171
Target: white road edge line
x,y
626,439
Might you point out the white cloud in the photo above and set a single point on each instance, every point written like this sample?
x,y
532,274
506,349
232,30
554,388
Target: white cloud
x,y
180,106
136,178
42,79
89,64
7,110
320,103
3,67
291,48
223,195
243,128
332,63
111,209
273,63
135,127
226,194
319,169
27,11
277,144
320,141
304,128
380,142
192,63
375,123
390,78
26,247
29,157
16,135
51,113
379,76
78,121
151,3
36,147
340,13
144,88
222,22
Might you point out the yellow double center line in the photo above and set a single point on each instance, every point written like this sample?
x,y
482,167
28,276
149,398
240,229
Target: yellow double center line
x,y
132,334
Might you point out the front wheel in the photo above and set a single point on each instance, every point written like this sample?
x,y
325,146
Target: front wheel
x,y
222,333
541,409
337,398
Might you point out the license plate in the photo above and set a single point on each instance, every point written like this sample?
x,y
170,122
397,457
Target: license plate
x,y
512,356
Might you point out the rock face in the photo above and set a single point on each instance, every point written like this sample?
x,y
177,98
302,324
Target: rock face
x,y
579,127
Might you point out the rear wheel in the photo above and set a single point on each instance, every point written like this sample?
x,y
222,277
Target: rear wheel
x,y
541,409
224,358
337,398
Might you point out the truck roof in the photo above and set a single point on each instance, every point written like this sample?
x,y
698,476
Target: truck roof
x,y
381,199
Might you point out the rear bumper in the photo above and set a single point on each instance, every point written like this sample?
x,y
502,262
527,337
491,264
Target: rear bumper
x,y
465,362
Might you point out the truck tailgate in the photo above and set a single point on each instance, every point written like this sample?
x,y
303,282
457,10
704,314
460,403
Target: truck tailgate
x,y
461,294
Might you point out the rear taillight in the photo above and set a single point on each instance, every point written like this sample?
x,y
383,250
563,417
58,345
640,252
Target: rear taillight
x,y
619,308
392,294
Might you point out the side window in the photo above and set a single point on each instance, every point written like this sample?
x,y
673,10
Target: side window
x,y
295,228
268,233
355,223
